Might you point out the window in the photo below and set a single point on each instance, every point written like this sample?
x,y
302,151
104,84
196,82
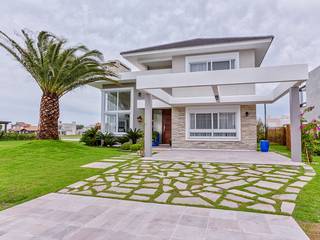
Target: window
x,y
213,123
221,61
118,110
198,67
212,66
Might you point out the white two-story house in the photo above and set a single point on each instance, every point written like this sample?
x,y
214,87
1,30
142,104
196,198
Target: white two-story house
x,y
199,93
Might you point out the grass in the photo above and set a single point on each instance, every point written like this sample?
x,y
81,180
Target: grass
x,y
70,136
29,169
307,211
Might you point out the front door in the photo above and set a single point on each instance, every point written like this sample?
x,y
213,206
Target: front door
x,y
166,126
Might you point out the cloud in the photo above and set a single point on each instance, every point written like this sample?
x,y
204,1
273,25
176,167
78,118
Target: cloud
x,y
115,26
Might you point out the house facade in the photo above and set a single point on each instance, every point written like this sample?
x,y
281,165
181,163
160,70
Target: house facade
x,y
199,93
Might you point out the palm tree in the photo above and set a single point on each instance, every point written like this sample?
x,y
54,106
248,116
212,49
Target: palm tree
x,y
57,70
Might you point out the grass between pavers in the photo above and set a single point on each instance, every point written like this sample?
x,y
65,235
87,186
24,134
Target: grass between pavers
x,y
156,170
29,169
308,202
307,211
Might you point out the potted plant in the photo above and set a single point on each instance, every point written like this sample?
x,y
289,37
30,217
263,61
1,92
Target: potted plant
x,y
155,138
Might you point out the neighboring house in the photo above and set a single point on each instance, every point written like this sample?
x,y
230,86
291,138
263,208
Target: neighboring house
x,y
67,128
310,94
199,93
22,127
273,122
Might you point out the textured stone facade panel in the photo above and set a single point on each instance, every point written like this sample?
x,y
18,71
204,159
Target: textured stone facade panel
x,y
248,131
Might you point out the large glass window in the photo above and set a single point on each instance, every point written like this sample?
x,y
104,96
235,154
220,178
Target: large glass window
x,y
118,111
212,124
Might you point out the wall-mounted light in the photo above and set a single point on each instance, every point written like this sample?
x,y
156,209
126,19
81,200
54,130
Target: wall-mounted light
x,y
139,119
247,114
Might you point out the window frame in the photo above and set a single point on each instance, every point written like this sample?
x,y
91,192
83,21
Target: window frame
x,y
218,57
106,111
215,109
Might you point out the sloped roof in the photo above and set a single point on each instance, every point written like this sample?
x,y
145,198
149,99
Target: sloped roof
x,y
198,42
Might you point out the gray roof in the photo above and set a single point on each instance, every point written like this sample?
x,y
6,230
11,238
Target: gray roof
x,y
198,42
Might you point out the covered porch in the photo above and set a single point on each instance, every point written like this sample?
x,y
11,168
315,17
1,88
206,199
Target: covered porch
x,y
284,79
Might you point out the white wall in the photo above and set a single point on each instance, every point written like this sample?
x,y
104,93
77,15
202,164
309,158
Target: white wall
x,y
246,60
313,94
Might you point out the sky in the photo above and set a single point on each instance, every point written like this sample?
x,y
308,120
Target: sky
x,y
115,26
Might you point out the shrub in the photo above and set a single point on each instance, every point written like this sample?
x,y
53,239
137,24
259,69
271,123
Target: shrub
x,y
126,146
136,147
92,137
310,135
134,135
122,139
11,136
109,139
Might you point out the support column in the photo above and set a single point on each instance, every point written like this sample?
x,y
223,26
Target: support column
x,y
148,125
295,124
103,109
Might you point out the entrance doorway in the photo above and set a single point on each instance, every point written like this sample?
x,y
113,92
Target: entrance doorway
x,y
161,123
166,126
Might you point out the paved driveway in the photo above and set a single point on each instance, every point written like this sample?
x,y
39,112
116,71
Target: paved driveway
x,y
63,216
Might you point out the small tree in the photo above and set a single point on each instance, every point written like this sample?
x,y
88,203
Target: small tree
x,y
310,135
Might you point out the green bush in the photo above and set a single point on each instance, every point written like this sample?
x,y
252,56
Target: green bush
x,y
109,139
92,137
126,146
136,147
12,136
122,139
134,135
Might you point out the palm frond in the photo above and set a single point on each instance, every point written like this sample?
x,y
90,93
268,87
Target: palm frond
x,y
55,68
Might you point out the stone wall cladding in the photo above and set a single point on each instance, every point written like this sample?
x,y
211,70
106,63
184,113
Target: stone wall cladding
x,y
248,132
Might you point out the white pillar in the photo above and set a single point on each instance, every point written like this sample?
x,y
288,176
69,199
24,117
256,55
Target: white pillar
x,y
295,124
103,109
148,125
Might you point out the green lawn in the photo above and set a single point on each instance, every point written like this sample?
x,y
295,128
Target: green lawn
x,y
307,211
308,202
29,169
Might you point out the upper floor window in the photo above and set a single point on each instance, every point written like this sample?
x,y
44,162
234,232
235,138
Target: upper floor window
x,y
221,61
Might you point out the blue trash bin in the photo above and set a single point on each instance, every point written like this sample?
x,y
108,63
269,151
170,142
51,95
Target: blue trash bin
x,y
264,146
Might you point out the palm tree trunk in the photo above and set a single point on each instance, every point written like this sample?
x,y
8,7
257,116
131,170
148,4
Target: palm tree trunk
x,y
49,116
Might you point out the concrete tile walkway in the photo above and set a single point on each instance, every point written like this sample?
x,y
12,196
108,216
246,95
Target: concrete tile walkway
x,y
70,217
222,156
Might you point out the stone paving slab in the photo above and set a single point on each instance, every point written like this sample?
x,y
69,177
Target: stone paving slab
x,y
189,183
101,165
72,217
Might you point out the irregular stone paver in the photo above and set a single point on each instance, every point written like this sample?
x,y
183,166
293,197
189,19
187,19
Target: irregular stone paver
x,y
211,196
163,197
243,193
292,190
146,191
190,201
238,199
263,207
290,197
287,207
139,198
298,184
257,190
229,204
214,185
101,165
232,184
267,184
120,189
